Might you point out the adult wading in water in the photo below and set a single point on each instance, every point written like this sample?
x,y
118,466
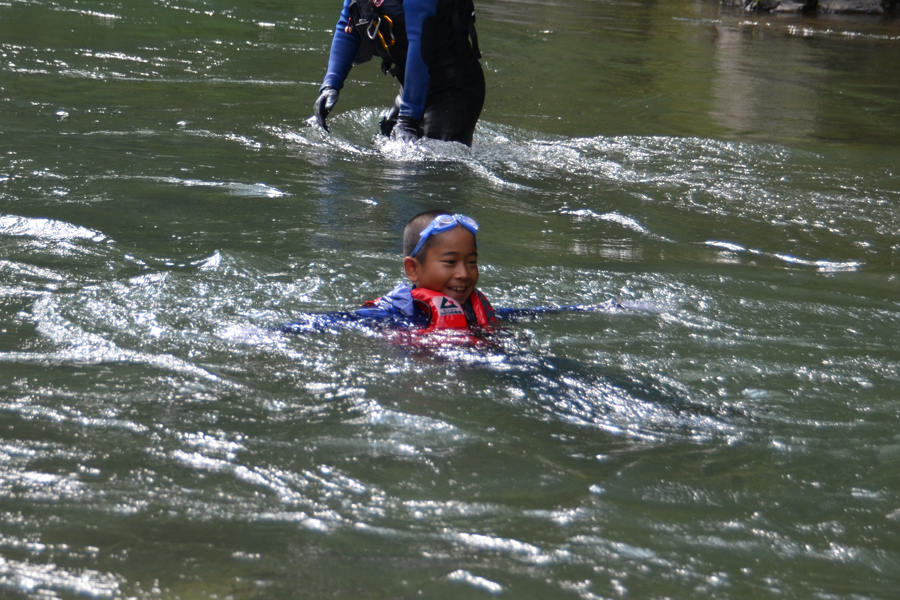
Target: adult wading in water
x,y
430,46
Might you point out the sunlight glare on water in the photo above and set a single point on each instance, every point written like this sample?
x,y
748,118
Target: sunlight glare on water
x,y
166,204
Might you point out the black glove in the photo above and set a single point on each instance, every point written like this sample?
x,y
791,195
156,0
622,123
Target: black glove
x,y
328,97
407,130
389,117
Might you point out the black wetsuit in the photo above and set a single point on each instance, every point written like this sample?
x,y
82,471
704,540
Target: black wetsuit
x,y
434,55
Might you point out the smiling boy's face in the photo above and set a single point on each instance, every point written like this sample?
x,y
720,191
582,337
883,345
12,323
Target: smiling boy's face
x,y
450,266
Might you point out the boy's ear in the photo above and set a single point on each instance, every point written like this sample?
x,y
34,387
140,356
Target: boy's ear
x,y
411,266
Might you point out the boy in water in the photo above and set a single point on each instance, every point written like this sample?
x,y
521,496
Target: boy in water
x,y
441,261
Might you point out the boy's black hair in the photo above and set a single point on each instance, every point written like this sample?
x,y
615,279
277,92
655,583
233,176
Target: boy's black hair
x,y
414,227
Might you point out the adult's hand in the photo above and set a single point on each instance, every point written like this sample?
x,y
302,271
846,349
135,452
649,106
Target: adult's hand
x,y
328,97
407,130
389,117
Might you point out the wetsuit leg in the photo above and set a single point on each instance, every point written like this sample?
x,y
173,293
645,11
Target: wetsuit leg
x,y
455,100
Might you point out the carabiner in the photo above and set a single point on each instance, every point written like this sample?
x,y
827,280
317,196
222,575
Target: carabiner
x,y
372,30
391,30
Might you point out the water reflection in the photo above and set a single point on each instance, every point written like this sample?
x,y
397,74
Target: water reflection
x,y
782,104
165,208
776,80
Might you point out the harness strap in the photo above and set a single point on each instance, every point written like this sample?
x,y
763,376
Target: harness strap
x,y
471,30
374,28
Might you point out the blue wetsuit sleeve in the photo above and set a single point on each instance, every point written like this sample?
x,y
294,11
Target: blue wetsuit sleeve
x,y
394,309
344,47
381,316
321,322
365,317
515,314
417,77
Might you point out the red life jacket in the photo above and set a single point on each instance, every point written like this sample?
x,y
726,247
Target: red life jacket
x,y
447,313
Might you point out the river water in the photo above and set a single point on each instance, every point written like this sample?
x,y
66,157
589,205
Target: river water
x,y
164,207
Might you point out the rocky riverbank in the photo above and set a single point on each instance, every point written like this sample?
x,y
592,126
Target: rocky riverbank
x,y
872,7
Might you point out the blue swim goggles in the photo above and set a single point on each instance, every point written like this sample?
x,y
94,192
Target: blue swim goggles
x,y
444,223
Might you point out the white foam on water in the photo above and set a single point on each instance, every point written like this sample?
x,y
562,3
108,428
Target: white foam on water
x,y
466,577
28,577
827,266
47,229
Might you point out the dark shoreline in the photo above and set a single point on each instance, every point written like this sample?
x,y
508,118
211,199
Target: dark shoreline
x,y
855,7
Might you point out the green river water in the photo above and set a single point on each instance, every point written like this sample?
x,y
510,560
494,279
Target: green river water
x,y
165,206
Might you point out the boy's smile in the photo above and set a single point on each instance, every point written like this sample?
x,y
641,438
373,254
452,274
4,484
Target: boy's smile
x,y
450,266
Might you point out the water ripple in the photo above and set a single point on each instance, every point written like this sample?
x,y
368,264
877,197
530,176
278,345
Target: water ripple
x,y
47,229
